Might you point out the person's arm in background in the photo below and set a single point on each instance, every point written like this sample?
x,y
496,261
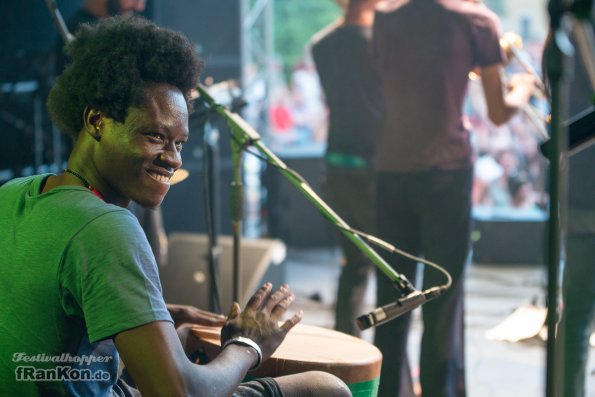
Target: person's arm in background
x,y
155,358
502,106
189,314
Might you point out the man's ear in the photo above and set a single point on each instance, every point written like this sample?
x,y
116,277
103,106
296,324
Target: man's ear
x,y
94,122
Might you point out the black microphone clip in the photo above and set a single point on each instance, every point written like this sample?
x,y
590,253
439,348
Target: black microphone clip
x,y
401,306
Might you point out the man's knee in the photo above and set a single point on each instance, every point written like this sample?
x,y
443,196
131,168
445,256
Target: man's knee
x,y
333,386
313,384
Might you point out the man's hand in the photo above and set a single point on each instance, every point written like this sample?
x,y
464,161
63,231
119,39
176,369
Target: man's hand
x,y
260,319
525,80
189,314
501,107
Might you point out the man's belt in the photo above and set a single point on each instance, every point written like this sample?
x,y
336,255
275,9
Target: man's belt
x,y
346,160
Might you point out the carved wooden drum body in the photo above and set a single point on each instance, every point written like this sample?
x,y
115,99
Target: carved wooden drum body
x,y
309,348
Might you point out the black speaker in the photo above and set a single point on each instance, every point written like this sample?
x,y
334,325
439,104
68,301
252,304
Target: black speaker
x,y
214,26
509,240
291,216
185,278
184,206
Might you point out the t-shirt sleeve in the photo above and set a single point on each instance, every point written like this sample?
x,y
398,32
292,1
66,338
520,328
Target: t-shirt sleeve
x,y
486,34
109,277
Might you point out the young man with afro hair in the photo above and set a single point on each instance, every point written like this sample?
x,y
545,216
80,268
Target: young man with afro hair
x,y
79,285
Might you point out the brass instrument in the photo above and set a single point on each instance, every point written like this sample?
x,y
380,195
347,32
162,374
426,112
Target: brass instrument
x,y
511,43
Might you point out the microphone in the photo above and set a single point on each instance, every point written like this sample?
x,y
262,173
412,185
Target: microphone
x,y
393,310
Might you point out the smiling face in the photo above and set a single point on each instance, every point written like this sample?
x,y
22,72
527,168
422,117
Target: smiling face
x,y
135,160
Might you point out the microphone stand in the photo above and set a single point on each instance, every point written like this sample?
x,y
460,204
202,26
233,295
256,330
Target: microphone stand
x,y
211,186
211,180
560,49
555,59
237,206
67,37
243,135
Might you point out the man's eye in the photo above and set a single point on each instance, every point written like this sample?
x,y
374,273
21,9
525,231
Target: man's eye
x,y
180,146
155,136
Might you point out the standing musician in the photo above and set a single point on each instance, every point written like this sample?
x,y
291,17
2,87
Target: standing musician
x,y
425,50
342,53
79,286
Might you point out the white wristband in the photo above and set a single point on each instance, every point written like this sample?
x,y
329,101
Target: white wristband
x,y
240,340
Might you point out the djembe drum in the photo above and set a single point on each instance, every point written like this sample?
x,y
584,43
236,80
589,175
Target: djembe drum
x,y
309,348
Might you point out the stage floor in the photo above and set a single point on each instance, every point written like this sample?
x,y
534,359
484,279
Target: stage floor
x,y
494,292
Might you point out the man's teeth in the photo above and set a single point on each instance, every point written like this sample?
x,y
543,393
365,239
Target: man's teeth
x,y
159,177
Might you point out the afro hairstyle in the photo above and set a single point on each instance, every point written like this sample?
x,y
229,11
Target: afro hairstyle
x,y
112,64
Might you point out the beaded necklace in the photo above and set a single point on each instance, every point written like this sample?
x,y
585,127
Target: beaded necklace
x,y
87,184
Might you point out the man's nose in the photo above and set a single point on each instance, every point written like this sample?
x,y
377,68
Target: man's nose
x,y
172,157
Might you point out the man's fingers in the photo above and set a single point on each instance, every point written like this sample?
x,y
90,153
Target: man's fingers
x,y
213,321
282,306
209,313
204,317
289,324
234,311
277,297
256,300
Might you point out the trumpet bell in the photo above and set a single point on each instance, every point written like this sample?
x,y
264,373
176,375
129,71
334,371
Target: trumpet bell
x,y
509,42
512,45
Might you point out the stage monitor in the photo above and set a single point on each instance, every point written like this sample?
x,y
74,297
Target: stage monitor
x,y
185,278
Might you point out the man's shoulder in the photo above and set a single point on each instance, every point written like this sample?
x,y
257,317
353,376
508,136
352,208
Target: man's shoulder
x,y
87,208
70,204
17,188
324,35
21,182
334,39
471,9
388,6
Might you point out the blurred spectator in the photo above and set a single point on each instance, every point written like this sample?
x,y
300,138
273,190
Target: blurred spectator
x,y
307,109
521,192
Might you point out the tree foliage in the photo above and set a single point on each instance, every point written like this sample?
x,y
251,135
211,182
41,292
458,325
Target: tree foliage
x,y
296,21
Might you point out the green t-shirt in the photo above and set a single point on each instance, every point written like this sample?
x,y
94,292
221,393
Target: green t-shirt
x,y
74,272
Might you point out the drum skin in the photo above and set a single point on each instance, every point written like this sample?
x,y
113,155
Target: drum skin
x,y
310,348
